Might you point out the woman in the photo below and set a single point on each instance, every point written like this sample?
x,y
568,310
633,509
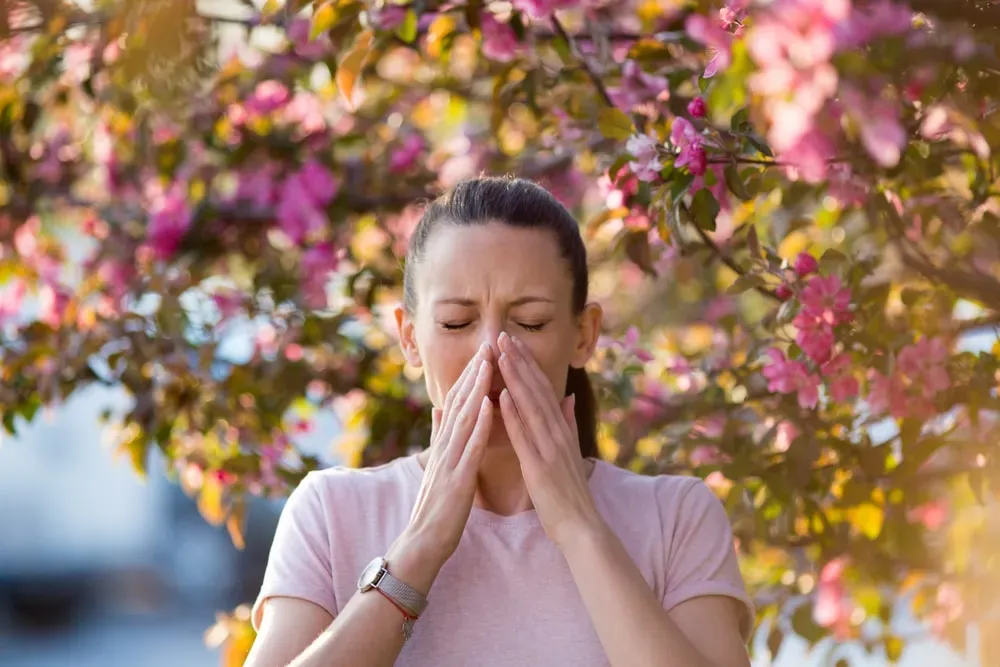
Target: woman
x,y
507,541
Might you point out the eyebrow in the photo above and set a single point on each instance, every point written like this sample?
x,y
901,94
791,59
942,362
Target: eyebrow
x,y
520,301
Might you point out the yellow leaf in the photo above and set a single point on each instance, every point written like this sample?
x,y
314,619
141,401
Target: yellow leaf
x,y
349,69
236,525
614,123
210,501
868,518
323,20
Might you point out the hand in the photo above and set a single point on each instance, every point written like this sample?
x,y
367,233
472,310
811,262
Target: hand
x,y
543,432
460,432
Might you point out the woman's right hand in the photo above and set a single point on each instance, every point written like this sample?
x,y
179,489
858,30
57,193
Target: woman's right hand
x,y
460,433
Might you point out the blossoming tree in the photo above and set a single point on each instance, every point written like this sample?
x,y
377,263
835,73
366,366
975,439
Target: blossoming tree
x,y
790,205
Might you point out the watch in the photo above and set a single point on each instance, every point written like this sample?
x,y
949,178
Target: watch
x,y
412,603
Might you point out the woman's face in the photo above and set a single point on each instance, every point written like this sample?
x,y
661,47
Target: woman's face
x,y
476,281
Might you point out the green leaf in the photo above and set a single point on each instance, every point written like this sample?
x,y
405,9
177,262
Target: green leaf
x,y
804,625
615,124
322,20
753,243
680,186
704,210
740,122
831,259
617,165
735,183
745,282
407,30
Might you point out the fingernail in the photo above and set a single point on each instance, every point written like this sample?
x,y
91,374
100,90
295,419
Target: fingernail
x,y
572,401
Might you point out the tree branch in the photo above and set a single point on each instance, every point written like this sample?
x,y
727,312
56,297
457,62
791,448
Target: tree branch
x,y
601,89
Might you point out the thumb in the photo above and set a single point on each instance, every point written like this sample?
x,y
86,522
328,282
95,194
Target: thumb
x,y
568,406
435,422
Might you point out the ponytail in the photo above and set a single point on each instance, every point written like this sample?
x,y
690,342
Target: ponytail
x,y
578,384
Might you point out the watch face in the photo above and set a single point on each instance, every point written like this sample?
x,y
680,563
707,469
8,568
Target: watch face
x,y
370,574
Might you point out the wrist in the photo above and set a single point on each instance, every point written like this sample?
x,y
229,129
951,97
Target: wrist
x,y
585,534
413,561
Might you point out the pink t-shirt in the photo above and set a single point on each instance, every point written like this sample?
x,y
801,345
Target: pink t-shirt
x,y
506,596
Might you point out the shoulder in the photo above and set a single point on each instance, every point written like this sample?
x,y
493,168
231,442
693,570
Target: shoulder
x,y
382,482
670,490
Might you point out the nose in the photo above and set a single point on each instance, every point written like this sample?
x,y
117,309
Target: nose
x,y
490,335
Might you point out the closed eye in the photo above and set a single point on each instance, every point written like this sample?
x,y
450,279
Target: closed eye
x,y
533,327
453,326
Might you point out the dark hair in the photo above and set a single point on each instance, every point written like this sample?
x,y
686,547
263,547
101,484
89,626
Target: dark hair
x,y
518,203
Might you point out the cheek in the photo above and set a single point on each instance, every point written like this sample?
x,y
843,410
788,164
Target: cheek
x,y
443,361
553,355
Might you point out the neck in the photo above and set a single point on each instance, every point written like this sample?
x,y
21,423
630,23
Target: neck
x,y
500,487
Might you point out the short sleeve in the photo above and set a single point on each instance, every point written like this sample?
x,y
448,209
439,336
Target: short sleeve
x,y
299,561
701,558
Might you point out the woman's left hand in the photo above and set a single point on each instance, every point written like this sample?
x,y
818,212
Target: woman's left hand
x,y
542,430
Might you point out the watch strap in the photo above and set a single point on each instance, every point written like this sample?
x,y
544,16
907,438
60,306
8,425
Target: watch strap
x,y
403,594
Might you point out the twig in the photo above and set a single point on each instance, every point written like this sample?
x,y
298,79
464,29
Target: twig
x,y
601,89
725,258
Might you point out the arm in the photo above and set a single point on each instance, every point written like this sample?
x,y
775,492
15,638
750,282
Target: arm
x,y
631,623
366,633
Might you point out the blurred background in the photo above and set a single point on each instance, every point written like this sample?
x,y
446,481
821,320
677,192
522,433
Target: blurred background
x,y
102,565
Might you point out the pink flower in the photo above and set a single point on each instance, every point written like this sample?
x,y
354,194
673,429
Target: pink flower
x,y
26,238
11,300
499,40
315,268
15,56
298,214
404,157
646,164
873,20
310,49
692,153
805,264
932,514
827,300
541,9
833,607
950,607
925,364
52,303
705,31
318,182
843,385
814,337
783,292
306,110
882,132
268,96
786,377
258,186
388,17
636,87
696,107
171,216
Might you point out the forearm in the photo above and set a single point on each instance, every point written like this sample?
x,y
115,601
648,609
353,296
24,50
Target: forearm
x,y
630,621
368,632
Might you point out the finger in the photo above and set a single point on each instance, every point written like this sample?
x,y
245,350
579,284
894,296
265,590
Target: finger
x,y
470,370
516,431
465,420
480,437
460,391
527,401
435,421
545,401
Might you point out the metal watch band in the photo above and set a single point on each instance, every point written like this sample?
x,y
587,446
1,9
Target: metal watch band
x,y
402,593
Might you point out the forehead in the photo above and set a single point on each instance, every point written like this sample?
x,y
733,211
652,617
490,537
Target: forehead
x,y
492,259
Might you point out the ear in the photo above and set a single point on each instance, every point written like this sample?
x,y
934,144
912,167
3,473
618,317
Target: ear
x,y
589,330
407,336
